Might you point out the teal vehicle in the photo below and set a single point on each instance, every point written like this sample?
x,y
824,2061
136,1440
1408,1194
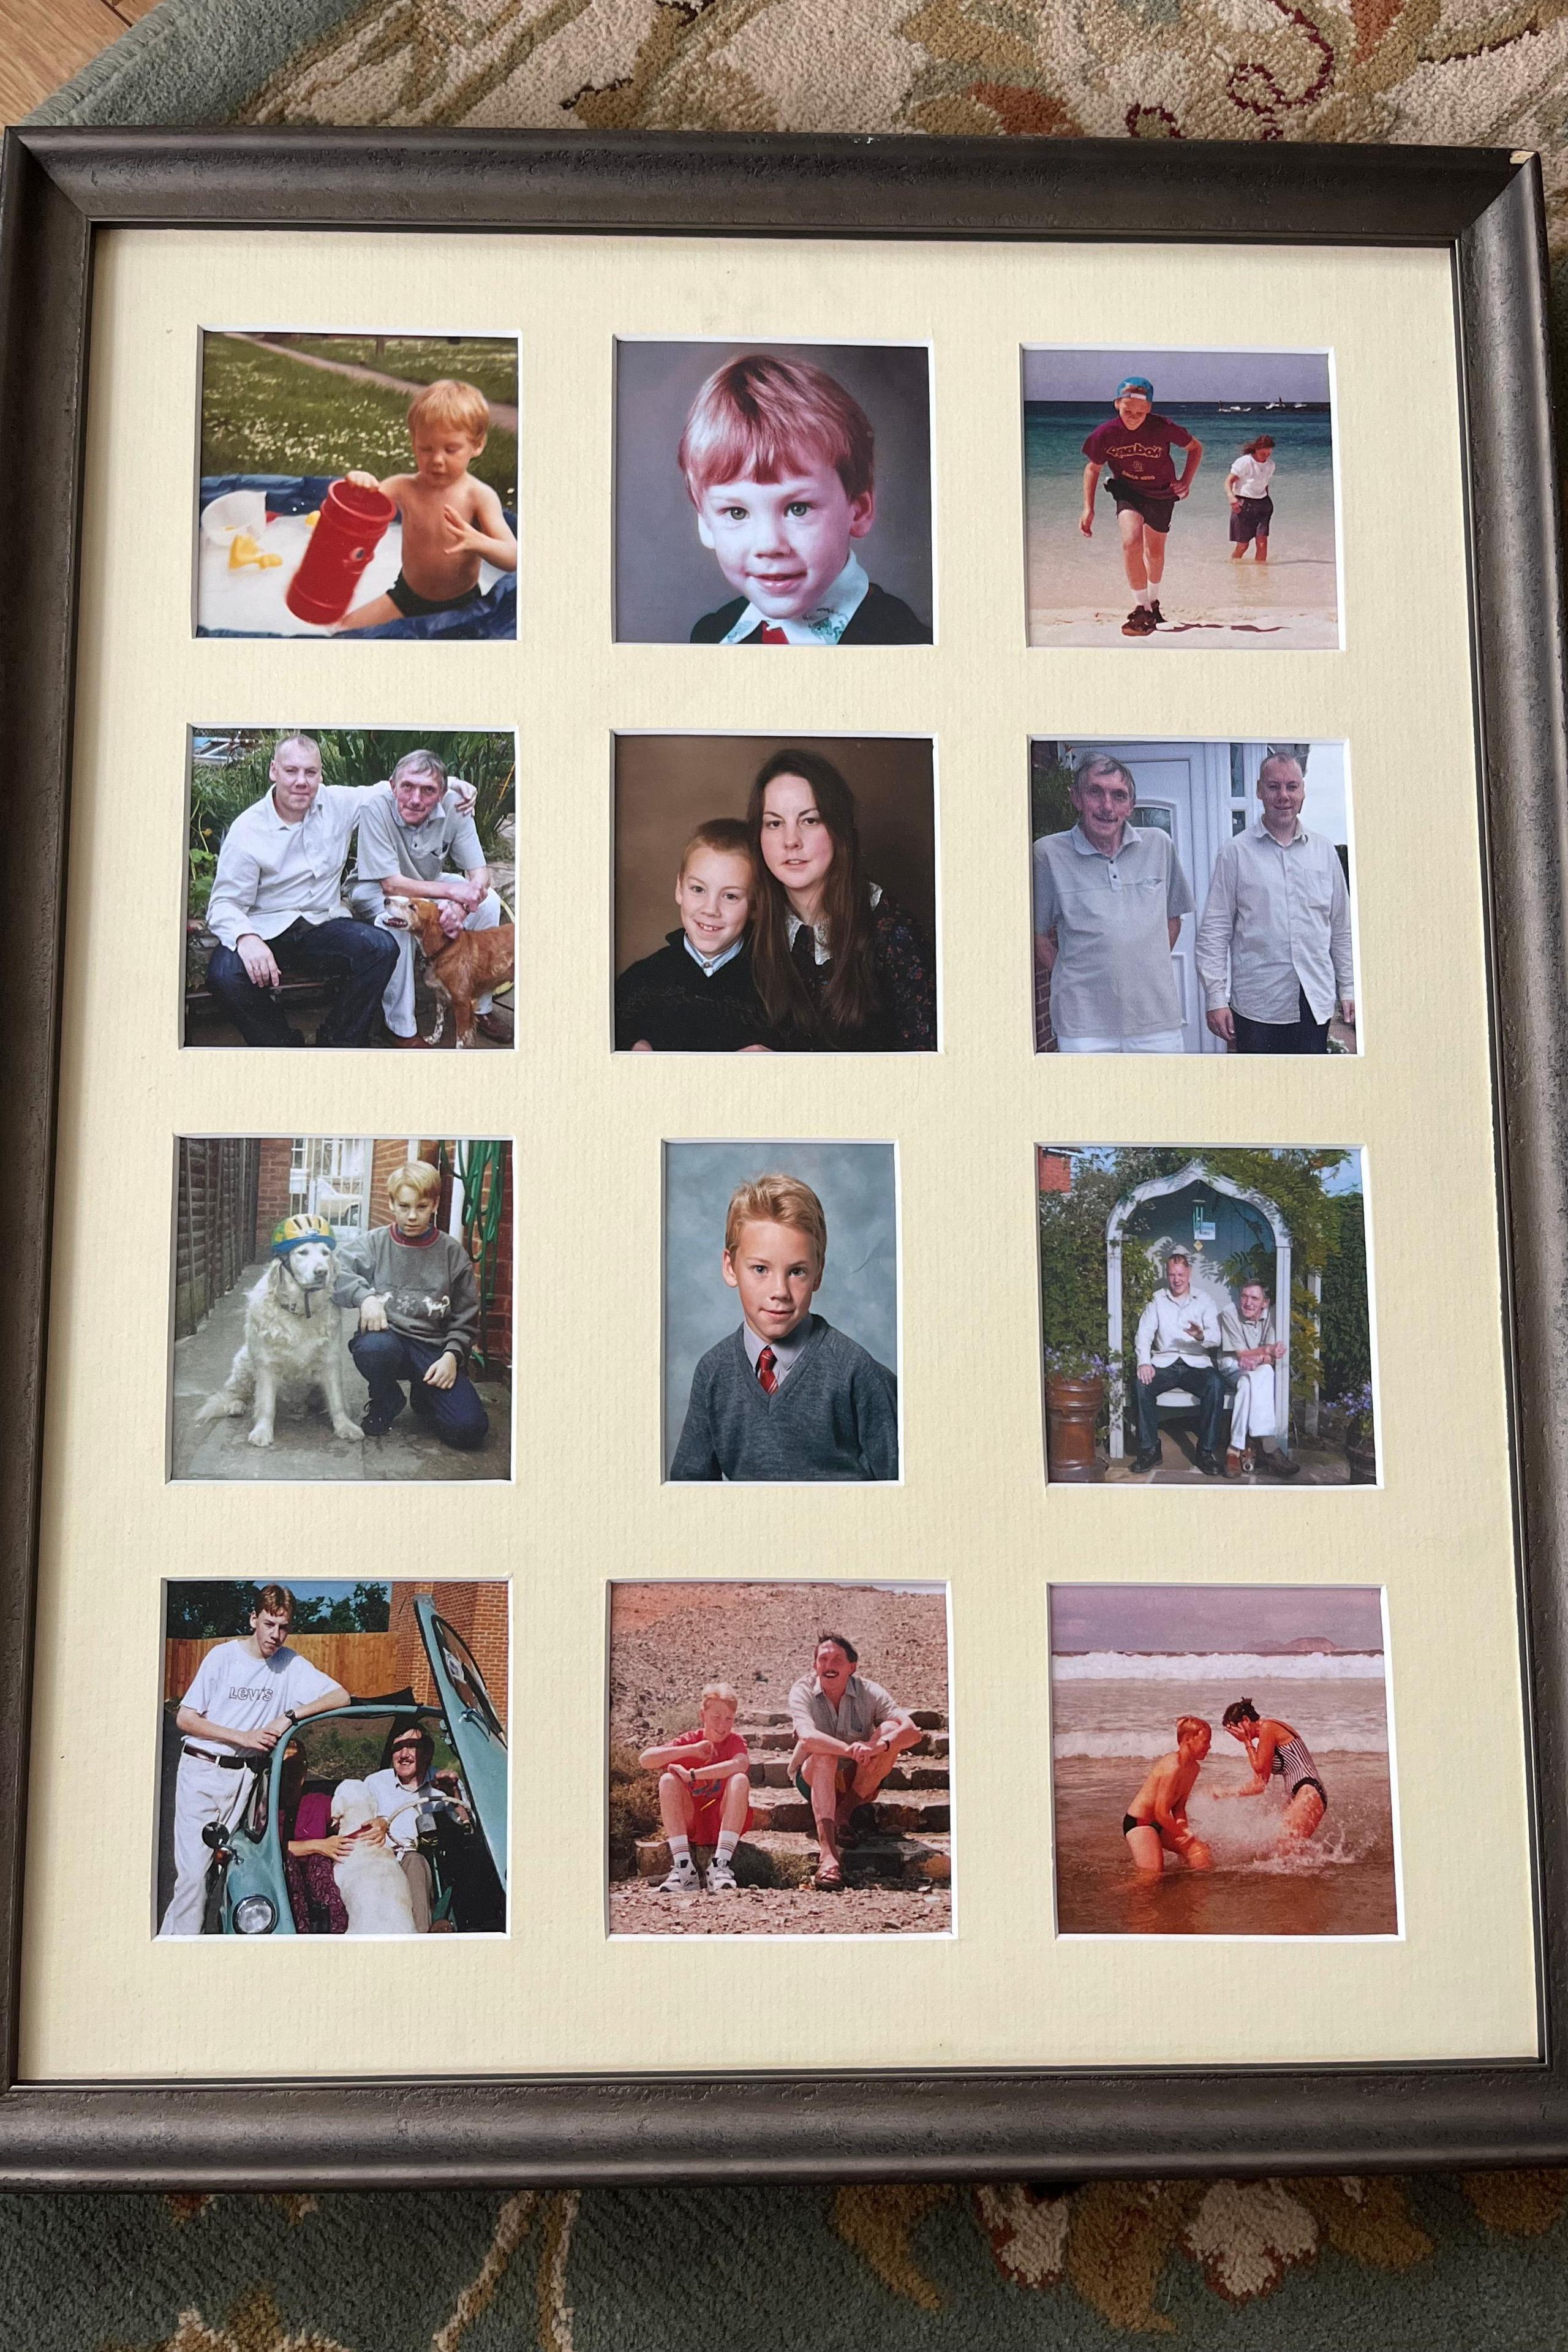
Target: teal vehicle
x,y
261,1890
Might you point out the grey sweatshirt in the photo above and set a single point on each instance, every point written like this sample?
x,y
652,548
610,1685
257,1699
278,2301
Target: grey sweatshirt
x,y
836,1417
430,1291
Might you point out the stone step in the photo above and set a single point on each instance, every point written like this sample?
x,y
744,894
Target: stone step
x,y
903,1809
929,1718
768,1738
789,1858
773,1772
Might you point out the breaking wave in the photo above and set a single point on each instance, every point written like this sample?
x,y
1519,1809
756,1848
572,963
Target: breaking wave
x,y
1165,1666
1137,1744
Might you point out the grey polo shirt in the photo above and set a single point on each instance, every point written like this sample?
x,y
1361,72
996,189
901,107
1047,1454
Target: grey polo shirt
x,y
387,846
1277,919
864,1706
1112,976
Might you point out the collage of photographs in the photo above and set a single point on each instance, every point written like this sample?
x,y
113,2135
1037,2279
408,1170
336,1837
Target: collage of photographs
x,y
778,1756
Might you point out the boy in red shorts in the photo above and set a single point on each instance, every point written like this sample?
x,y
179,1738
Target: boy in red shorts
x,y
704,1793
1145,485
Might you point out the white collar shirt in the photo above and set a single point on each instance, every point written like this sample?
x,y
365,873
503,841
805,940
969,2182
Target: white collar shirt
x,y
795,926
786,1352
824,623
709,965
1166,1325
271,874
1276,927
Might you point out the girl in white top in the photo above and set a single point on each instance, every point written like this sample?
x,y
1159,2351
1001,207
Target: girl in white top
x,y
1251,508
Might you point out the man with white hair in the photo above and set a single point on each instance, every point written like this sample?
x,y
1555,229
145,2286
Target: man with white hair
x,y
1252,1348
1274,950
407,840
277,906
1110,896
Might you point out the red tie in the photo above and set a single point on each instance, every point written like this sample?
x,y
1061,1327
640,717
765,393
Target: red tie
x,y
766,1362
772,636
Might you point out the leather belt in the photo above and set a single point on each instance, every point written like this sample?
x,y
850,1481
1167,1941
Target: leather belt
x,y
209,1756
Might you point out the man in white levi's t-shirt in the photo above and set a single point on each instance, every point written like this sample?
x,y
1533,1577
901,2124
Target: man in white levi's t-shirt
x,y
246,1696
1251,508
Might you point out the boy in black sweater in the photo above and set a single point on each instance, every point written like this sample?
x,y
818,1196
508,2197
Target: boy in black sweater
x,y
695,994
786,1396
779,462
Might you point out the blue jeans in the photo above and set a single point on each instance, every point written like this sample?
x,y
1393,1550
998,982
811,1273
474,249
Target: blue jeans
x,y
386,1357
1200,1381
363,954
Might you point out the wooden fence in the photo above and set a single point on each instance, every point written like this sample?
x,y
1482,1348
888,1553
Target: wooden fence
x,y
217,1223
365,1663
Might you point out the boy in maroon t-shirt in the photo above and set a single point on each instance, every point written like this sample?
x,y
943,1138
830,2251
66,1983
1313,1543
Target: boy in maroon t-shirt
x,y
704,1793
1144,483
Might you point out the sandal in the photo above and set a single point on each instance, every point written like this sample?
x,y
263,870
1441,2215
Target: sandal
x,y
829,1878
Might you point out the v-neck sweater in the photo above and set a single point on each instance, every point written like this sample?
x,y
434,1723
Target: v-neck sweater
x,y
836,1417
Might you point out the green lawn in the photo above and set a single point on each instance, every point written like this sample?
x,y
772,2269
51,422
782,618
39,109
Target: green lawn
x,y
263,412
489,361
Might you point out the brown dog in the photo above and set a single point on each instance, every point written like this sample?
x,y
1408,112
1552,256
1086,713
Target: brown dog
x,y
462,969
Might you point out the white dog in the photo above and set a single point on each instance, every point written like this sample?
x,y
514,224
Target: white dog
x,y
293,1340
369,1879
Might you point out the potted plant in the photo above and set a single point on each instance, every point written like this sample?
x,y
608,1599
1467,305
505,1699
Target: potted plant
x,y
1075,1391
1361,1434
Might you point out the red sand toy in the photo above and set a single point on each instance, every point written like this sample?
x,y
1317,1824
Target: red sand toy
x,y
351,523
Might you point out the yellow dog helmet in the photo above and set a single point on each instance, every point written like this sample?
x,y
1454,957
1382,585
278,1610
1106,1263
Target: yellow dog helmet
x,y
294,1230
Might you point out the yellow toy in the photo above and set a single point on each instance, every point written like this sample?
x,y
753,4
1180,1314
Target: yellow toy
x,y
244,550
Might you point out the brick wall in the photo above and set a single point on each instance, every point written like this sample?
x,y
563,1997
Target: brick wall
x,y
477,1610
272,1191
1055,1170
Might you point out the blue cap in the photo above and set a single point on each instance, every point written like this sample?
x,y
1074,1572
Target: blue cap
x,y
1135,383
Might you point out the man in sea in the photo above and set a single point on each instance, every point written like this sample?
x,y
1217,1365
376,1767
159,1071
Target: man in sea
x,y
1145,485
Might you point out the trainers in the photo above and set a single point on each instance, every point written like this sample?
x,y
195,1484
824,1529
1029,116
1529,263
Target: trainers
x,y
374,1422
1154,613
720,1878
682,1879
1140,622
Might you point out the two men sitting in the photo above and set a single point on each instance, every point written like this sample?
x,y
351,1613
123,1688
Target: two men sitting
x,y
1222,1358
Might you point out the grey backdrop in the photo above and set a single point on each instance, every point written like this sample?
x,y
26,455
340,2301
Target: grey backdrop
x,y
667,785
665,578
859,1294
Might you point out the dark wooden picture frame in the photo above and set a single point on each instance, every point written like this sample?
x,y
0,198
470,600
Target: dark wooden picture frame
x,y
1484,209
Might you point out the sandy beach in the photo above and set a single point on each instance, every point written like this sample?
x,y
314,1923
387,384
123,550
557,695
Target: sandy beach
x,y
1110,1725
1078,590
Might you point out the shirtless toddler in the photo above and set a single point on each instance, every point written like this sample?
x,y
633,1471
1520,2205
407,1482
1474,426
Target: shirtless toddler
x,y
450,522
1157,1817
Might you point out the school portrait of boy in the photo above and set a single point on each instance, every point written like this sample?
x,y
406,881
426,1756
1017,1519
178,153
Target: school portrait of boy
x,y
781,1334
361,483
1180,498
800,879
1192,898
773,494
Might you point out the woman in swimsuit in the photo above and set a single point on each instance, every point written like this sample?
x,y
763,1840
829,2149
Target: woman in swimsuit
x,y
1157,1817
1274,1747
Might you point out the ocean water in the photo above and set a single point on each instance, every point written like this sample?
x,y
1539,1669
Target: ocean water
x,y
1074,582
1112,1714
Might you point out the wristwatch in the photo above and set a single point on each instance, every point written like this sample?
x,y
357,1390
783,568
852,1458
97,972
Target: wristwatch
x,y
289,1717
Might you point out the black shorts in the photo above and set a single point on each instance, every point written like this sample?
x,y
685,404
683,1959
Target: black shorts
x,y
410,603
1127,1823
1247,518
1156,511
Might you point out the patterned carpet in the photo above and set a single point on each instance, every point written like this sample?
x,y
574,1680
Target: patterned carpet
x,y
1474,2264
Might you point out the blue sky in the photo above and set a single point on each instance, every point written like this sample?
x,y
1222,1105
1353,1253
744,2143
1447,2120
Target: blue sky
x,y
1056,374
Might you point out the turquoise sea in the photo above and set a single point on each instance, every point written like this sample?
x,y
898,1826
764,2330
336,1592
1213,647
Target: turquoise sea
x,y
1078,589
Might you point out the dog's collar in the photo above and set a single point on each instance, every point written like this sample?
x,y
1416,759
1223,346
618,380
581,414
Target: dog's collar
x,y
301,1315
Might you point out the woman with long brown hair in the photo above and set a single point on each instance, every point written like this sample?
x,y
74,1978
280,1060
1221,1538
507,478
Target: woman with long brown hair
x,y
840,967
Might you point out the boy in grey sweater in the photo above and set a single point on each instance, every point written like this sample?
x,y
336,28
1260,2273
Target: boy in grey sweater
x,y
418,1313
786,1396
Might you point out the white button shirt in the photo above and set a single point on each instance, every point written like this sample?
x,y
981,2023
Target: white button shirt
x,y
1277,922
270,874
1165,1329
